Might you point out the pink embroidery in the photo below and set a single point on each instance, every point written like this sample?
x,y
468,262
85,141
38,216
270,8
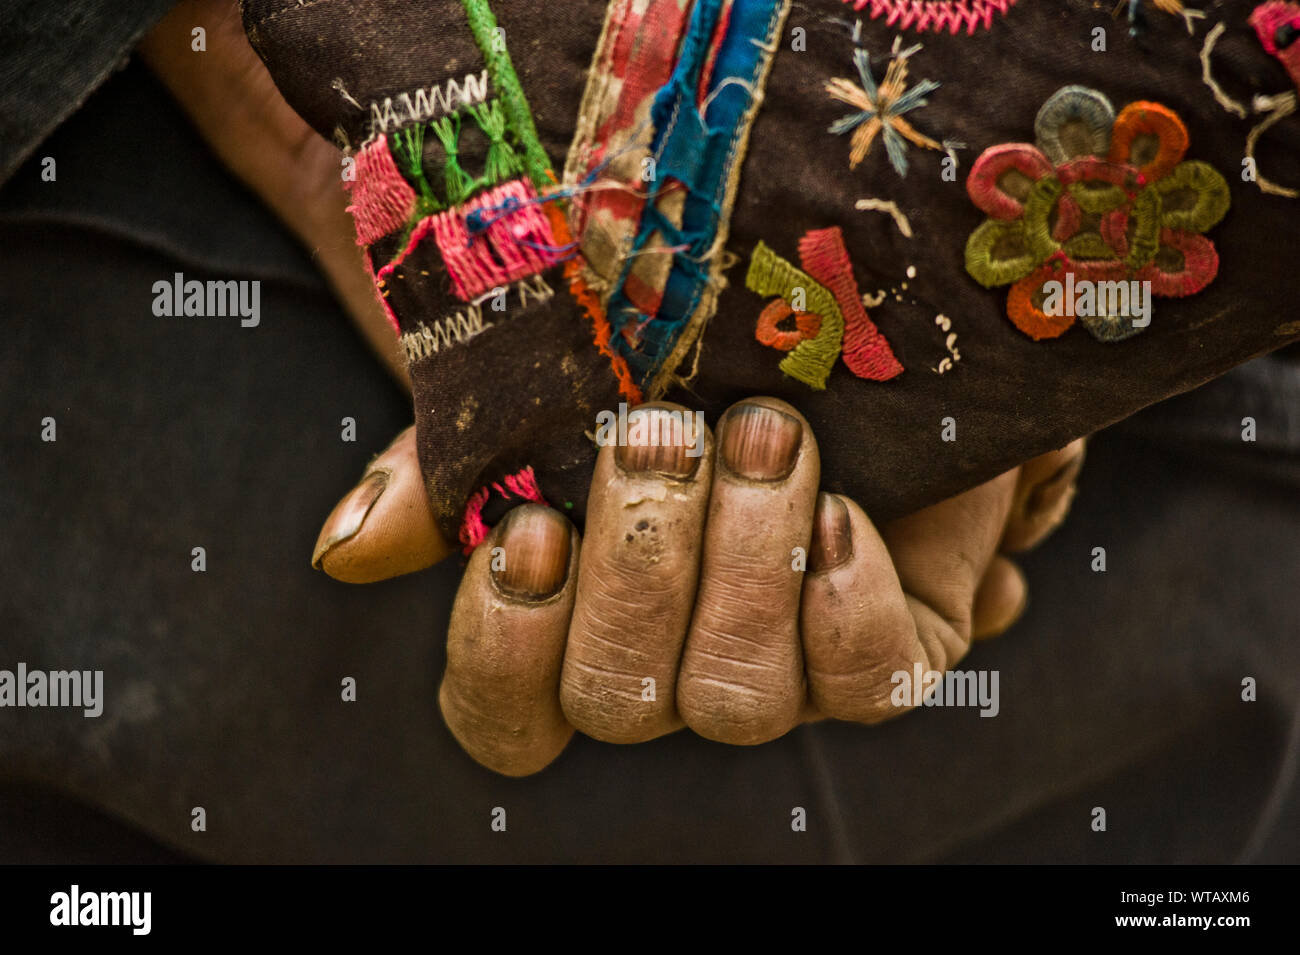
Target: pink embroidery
x,y
935,15
865,351
510,239
521,485
1277,24
381,199
472,528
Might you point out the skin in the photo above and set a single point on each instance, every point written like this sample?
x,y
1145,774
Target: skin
x,y
689,580
753,602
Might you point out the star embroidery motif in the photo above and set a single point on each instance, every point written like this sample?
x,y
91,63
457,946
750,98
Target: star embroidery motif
x,y
881,108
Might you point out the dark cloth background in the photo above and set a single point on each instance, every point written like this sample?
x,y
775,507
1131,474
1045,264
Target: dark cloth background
x,y
53,55
1119,690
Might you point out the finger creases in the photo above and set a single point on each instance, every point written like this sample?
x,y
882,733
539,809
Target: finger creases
x,y
857,628
741,679
941,555
637,577
505,643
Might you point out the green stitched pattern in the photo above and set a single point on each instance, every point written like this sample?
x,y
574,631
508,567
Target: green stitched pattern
x,y
1097,198
1209,188
458,182
502,160
1088,245
1038,209
997,254
1146,229
483,25
408,149
812,360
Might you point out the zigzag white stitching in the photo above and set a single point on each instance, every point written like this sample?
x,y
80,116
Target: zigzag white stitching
x,y
428,103
539,289
459,327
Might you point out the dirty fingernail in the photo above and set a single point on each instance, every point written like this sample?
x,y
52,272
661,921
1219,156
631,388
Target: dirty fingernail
x,y
660,442
832,536
536,558
349,514
760,443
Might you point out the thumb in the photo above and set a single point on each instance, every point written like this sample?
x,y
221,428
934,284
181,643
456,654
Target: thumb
x,y
383,527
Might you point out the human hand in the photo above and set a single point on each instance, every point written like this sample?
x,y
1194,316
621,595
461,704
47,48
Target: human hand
x,y
686,602
815,643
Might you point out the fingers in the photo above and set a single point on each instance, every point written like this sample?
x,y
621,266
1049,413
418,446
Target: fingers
x,y
941,555
857,626
1043,496
1000,600
637,577
384,526
741,679
505,643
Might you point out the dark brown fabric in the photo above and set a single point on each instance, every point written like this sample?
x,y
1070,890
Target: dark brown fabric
x,y
527,390
56,55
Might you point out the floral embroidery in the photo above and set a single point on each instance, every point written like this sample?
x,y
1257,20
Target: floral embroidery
x,y
880,108
1100,199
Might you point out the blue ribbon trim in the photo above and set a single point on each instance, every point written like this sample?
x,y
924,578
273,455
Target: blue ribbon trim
x,y
699,152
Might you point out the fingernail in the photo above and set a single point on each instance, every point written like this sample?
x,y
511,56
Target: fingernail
x,y
536,558
832,536
760,443
658,442
349,514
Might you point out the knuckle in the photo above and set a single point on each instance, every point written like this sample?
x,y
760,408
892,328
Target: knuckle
x,y
612,705
628,626
509,743
738,692
855,697
851,666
